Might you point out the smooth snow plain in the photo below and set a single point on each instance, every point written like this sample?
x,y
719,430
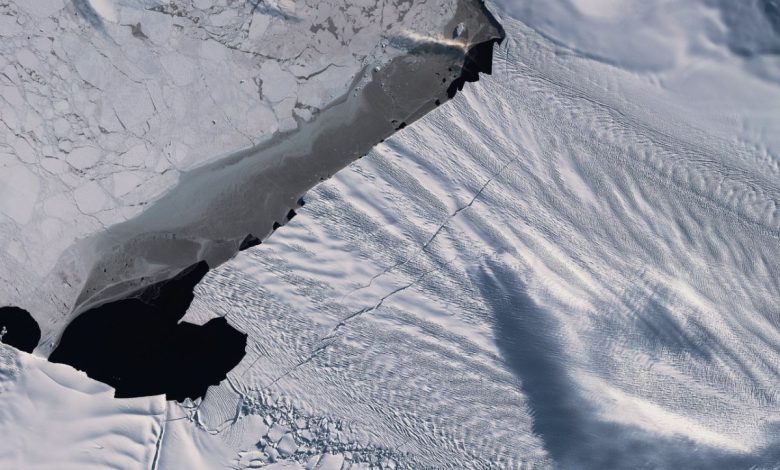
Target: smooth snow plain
x,y
573,264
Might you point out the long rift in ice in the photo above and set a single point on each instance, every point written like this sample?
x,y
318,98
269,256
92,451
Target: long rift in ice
x,y
571,266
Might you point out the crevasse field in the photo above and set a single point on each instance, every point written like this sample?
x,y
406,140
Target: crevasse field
x,y
574,264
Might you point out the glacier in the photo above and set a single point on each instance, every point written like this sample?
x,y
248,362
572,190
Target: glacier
x,y
571,264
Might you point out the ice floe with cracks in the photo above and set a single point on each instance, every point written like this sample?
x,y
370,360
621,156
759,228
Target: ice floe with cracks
x,y
107,103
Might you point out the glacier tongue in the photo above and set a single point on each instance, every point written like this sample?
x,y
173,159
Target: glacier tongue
x,y
571,265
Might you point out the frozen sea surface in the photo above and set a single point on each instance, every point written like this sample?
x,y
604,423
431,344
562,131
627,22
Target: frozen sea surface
x,y
113,108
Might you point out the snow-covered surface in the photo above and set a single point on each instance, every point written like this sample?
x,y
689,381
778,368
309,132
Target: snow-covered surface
x,y
574,264
663,36
54,417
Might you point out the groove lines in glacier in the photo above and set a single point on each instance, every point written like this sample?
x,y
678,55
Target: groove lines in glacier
x,y
331,335
435,234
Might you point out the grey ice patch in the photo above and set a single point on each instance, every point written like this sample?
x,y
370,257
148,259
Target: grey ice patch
x,y
84,8
459,30
136,31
